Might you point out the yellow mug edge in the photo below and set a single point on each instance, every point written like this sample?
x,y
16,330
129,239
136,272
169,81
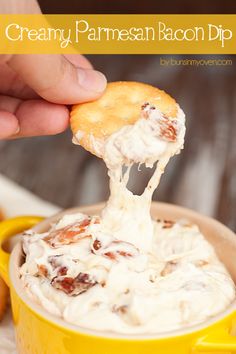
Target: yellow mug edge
x,y
8,229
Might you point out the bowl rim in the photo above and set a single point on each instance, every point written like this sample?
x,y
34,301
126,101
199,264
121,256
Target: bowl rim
x,y
59,322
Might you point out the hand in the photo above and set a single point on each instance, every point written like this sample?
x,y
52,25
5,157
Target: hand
x,y
35,89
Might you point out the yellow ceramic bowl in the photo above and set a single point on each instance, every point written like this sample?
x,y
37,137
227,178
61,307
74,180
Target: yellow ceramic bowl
x,y
38,332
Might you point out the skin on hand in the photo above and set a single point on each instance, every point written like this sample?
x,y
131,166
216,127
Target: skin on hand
x,y
35,89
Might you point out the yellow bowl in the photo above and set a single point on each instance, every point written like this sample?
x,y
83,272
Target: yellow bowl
x,y
38,332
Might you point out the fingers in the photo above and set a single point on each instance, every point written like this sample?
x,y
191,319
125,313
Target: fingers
x,y
8,124
38,117
57,80
53,77
19,7
31,118
79,61
12,85
9,104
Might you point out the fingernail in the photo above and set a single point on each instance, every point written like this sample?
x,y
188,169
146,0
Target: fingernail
x,y
92,80
17,129
10,134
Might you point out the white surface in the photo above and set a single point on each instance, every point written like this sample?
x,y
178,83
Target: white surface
x,y
15,200
7,341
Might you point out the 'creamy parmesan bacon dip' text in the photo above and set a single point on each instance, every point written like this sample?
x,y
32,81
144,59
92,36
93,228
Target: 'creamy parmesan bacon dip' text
x,y
122,271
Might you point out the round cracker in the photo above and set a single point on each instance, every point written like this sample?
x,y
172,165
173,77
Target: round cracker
x,y
119,105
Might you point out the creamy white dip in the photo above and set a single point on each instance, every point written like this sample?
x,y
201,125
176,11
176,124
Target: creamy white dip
x,y
122,271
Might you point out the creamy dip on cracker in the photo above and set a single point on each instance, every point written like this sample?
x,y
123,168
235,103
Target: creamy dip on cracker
x,y
122,271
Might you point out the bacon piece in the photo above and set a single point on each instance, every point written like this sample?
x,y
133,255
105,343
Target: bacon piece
x,y
62,271
74,286
145,105
124,254
42,270
168,129
56,264
168,224
120,248
126,315
96,220
169,268
114,249
120,309
85,222
65,284
145,109
111,255
201,263
55,261
167,126
97,245
69,234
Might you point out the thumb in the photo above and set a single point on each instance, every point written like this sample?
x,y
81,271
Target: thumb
x,y
56,79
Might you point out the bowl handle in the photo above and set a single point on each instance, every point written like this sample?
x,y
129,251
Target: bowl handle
x,y
9,228
219,340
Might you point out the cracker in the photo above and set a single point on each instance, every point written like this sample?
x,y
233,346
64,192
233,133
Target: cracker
x,y
119,105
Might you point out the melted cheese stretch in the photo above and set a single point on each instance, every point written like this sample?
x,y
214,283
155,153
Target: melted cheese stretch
x,y
127,215
136,274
